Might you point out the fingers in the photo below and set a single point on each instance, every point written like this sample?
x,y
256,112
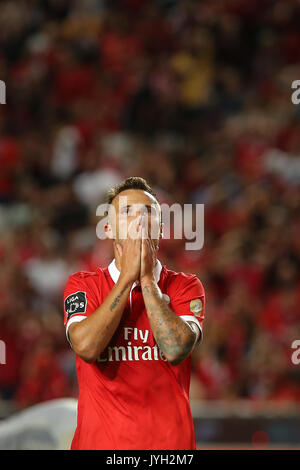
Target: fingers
x,y
138,230
135,229
148,245
145,231
147,241
119,249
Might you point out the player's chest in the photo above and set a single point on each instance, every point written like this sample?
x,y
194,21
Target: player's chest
x,y
134,327
133,340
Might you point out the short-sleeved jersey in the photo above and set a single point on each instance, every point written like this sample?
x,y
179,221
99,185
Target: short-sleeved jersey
x,y
132,397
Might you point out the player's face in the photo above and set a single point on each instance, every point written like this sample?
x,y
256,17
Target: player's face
x,y
127,207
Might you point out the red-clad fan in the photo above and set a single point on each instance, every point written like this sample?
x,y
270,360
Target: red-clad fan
x,y
133,326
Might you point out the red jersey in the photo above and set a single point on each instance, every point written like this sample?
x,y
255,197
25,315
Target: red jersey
x,y
132,397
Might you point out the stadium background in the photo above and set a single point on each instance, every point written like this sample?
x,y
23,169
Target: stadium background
x,y
195,96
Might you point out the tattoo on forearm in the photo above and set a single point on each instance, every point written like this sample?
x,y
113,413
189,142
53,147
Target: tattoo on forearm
x,y
117,299
146,289
170,332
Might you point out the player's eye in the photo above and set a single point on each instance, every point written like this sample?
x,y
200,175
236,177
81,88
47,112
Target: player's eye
x,y
125,210
132,211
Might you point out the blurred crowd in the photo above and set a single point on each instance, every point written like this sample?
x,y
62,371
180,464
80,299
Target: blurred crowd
x,y
194,96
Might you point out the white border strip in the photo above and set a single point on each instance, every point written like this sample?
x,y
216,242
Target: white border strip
x,y
187,318
74,319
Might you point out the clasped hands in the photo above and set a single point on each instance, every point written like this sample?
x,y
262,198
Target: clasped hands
x,y
137,254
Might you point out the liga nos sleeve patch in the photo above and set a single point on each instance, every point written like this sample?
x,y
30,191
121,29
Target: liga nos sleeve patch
x,y
75,303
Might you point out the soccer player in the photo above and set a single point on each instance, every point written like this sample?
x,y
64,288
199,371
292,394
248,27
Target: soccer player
x,y
133,326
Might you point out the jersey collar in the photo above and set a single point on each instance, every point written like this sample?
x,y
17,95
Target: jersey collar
x,y
115,273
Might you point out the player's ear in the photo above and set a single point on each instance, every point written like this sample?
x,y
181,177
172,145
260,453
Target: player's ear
x,y
109,231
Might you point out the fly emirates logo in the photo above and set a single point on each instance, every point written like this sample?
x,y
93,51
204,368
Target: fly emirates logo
x,y
131,352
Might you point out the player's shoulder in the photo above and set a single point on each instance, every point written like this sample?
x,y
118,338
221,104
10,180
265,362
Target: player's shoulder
x,y
177,278
85,277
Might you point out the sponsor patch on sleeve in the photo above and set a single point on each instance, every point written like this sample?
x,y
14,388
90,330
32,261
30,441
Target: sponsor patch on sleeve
x,y
196,307
75,303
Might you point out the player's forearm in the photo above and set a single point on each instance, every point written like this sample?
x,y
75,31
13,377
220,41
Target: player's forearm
x,y
90,337
174,337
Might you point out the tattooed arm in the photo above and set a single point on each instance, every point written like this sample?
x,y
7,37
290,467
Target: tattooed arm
x,y
175,338
91,336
